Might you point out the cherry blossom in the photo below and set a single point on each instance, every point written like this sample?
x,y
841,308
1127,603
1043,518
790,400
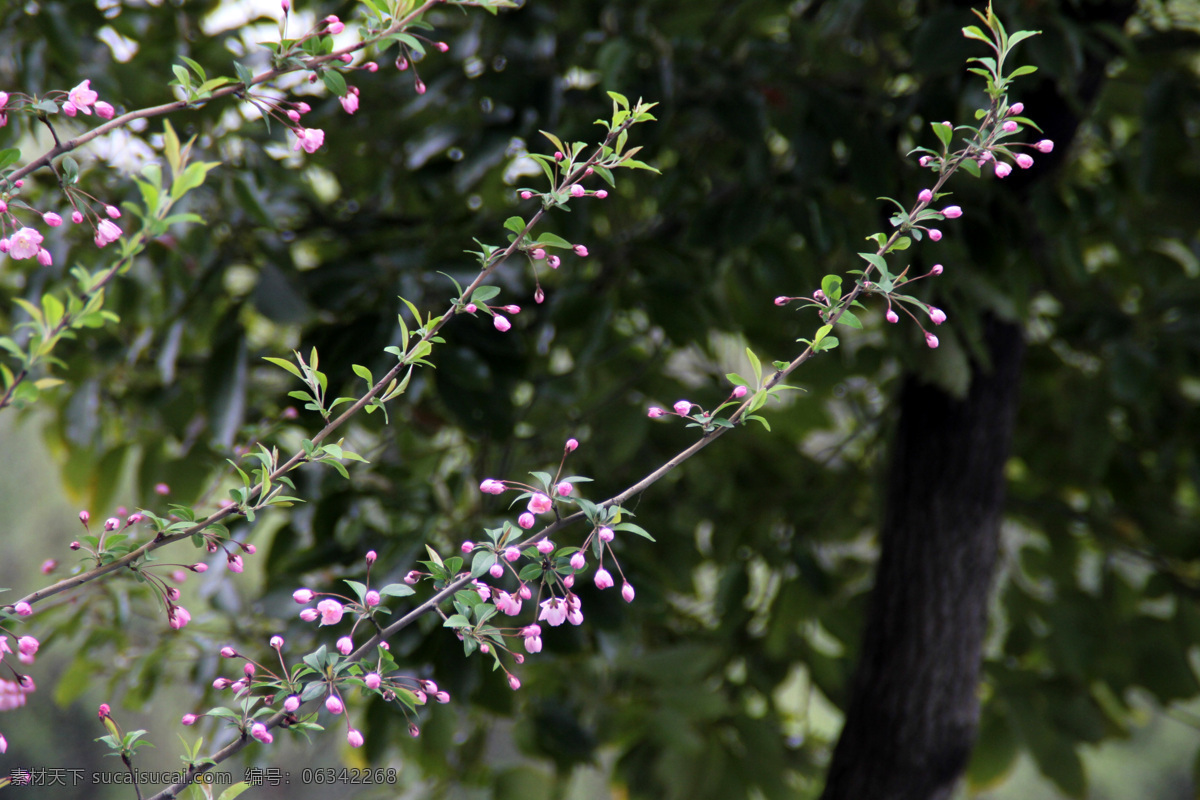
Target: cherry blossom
x,y
25,243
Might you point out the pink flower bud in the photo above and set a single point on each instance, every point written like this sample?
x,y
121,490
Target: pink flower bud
x,y
1044,146
178,617
419,85
235,563
371,66
501,323
539,296
1003,170
952,212
925,161
582,251
577,190
228,652
605,534
84,516
413,730
545,547
931,340
23,609
111,524
936,269
526,520
75,545
248,669
52,219
467,546
935,234
291,704
601,194
335,25
925,196
540,503
654,412
511,554
490,486
782,301
496,571
441,46
259,731
442,697
354,738
526,195
512,309
683,408
413,577
553,262
293,115
188,719
345,645
558,156
514,682
221,684
571,445
891,316
937,315
372,598
1015,109
1009,126
537,253
563,489
578,561
330,610
334,705
277,642
309,614
627,592
603,579
470,308
28,645
371,556
48,566
739,392
1024,161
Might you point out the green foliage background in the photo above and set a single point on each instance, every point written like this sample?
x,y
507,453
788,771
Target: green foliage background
x,y
779,125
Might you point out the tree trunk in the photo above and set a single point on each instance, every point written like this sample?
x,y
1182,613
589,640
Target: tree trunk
x,y
912,715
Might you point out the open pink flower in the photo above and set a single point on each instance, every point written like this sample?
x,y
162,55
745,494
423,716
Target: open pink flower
x,y
25,243
540,503
310,139
553,611
107,231
603,579
330,611
82,97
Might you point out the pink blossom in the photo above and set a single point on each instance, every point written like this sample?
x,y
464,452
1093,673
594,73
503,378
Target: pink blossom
x,y
1009,127
111,524
115,213
349,101
490,486
553,262
508,603
925,196
501,323
52,219
413,577
654,412
545,547
466,547
104,110
276,642
739,392
682,408
526,195
220,684
188,719
303,596
23,609
563,489
578,561
335,25
228,652
84,517
577,190
372,599
345,645
511,554
571,445
371,66
259,731
178,617
496,570
627,592
601,194
574,610
330,610
442,697
605,534
3,99
28,645
309,614
891,316
23,244
925,161
512,309
482,589
1044,146
581,251
161,489
334,705
82,97
526,520
514,682
470,308
442,47
1002,169
936,269
1015,109
553,611
419,85
371,556
235,563
952,212
1024,161
931,340
44,258
782,300
291,704
413,730
310,139
107,232
248,668
354,738
603,579
540,503
293,115
48,566
935,234
937,315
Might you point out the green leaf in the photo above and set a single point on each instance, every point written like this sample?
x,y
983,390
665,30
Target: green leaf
x,y
9,156
848,318
334,82
831,285
943,133
755,365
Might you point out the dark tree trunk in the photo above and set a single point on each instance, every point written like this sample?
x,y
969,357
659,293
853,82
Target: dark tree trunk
x,y
912,714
